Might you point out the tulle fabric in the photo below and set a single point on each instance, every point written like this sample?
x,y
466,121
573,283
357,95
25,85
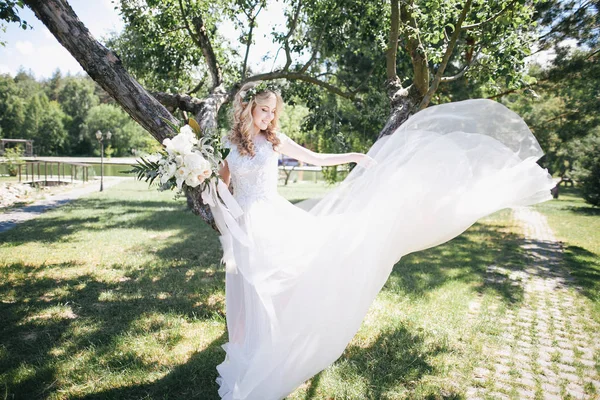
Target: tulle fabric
x,y
310,274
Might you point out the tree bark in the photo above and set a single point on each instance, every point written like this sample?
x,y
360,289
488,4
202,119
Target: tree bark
x,y
102,65
404,103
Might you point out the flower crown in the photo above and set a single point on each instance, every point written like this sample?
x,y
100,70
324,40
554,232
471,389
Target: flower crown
x,y
253,91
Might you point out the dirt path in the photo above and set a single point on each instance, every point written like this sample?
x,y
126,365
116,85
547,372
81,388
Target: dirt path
x,y
550,347
10,219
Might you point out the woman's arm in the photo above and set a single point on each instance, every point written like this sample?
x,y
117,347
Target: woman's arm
x,y
294,150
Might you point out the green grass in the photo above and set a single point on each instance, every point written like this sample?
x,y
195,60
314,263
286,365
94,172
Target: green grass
x,y
577,225
120,296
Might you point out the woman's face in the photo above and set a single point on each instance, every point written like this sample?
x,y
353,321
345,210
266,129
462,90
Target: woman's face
x,y
264,112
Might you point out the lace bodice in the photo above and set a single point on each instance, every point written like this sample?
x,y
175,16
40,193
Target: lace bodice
x,y
255,177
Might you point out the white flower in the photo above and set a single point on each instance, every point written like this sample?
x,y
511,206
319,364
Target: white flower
x,y
178,160
182,172
192,180
167,172
183,143
198,166
194,160
186,129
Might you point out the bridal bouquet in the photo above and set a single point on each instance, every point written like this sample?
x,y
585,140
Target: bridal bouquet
x,y
187,159
190,160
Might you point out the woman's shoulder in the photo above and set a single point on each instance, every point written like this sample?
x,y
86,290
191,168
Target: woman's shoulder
x,y
281,136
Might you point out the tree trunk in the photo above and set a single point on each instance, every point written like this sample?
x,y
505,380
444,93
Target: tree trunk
x,y
404,103
104,67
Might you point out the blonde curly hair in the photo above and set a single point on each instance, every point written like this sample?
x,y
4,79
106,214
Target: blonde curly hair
x,y
243,123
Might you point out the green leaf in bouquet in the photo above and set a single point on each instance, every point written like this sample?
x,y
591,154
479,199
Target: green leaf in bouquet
x,y
174,128
195,127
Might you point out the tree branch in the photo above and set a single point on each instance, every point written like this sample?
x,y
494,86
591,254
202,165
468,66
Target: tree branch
x,y
415,48
564,114
315,51
208,52
299,77
440,72
102,65
198,86
286,41
517,89
490,19
203,42
392,49
465,68
251,19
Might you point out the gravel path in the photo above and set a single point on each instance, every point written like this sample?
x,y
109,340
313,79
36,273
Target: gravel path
x,y
10,219
550,347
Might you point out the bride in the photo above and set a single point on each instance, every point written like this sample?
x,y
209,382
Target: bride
x,y
302,279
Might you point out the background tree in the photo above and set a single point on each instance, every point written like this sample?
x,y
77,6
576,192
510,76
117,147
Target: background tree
x,y
77,98
128,138
44,123
560,104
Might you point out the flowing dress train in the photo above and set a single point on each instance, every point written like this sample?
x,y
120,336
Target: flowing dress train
x,y
305,279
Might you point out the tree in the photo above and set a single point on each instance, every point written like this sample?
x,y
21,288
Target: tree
x,y
12,108
560,104
431,33
54,85
77,98
44,124
587,165
127,137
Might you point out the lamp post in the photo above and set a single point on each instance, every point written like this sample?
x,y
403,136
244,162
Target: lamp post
x,y
101,138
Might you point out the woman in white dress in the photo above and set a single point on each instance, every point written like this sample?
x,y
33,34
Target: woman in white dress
x,y
301,281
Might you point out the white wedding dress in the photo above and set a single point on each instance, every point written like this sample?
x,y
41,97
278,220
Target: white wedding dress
x,y
304,280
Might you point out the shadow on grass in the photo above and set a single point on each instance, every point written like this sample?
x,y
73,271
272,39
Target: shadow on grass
x,y
183,283
109,214
396,358
31,331
193,380
466,258
576,206
585,267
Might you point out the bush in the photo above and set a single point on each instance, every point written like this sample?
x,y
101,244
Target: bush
x,y
13,159
586,168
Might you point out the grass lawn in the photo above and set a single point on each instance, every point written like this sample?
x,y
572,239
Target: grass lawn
x,y
120,296
577,225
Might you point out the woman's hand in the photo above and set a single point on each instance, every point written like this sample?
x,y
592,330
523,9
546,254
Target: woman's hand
x,y
364,160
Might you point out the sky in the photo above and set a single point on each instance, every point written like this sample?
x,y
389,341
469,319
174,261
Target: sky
x,y
37,50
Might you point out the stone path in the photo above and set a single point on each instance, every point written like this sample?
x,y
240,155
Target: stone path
x,y
10,219
550,347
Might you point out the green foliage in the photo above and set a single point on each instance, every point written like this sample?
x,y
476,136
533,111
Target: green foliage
x,y
586,171
561,105
57,114
44,123
12,107
157,48
147,168
9,12
13,159
128,138
568,19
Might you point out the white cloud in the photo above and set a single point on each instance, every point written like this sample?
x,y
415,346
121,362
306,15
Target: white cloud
x,y
5,69
24,47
